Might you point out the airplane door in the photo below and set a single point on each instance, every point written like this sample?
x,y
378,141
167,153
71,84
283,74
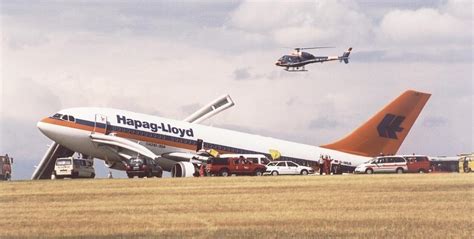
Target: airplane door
x,y
101,125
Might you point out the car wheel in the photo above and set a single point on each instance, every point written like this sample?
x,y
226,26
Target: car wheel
x,y
224,173
399,170
421,171
258,173
93,175
304,172
129,175
369,171
274,173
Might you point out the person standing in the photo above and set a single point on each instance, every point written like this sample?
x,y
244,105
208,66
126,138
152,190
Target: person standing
x,y
327,165
321,164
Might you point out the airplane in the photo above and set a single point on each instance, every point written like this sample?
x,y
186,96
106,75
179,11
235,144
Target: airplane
x,y
298,59
113,135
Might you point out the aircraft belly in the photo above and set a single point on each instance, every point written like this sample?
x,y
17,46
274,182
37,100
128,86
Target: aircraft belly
x,y
79,141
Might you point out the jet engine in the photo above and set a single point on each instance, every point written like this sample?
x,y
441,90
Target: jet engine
x,y
183,169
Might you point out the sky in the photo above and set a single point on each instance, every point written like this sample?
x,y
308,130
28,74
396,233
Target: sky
x,y
168,58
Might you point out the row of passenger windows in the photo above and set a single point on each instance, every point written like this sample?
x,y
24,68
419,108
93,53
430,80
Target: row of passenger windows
x,y
64,117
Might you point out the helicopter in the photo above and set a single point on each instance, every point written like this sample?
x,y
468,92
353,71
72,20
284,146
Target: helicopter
x,y
298,59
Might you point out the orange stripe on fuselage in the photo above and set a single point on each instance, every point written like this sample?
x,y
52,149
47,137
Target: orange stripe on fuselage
x,y
74,125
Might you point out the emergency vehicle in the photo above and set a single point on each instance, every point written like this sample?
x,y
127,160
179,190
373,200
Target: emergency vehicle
x,y
255,158
466,163
418,163
383,164
238,166
6,167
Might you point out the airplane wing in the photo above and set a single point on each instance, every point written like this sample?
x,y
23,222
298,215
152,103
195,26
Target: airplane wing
x,y
121,143
123,148
190,157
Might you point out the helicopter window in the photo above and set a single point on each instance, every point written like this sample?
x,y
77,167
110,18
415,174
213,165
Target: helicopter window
x,y
71,118
64,117
293,59
307,55
57,116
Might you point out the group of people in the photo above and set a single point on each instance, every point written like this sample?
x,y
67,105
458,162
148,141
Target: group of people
x,y
327,166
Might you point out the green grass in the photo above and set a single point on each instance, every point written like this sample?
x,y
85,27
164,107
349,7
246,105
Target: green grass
x,y
361,206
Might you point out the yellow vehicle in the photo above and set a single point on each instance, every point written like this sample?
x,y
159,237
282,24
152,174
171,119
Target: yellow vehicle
x,y
466,163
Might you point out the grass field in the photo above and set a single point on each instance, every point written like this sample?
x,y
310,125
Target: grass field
x,y
409,206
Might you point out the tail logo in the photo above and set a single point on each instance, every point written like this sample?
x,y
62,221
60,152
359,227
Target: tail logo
x,y
390,125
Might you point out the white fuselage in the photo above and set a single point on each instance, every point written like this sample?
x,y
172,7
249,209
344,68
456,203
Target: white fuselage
x,y
161,135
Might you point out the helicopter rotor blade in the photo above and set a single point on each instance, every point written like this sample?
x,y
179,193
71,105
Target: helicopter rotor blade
x,y
316,47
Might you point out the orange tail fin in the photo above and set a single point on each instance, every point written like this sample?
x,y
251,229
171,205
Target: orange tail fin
x,y
386,130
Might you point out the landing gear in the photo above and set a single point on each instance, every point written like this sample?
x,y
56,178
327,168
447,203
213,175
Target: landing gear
x,y
295,69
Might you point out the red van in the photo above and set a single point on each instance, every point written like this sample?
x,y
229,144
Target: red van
x,y
417,163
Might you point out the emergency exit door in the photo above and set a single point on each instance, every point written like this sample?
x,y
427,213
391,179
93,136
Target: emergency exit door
x,y
101,124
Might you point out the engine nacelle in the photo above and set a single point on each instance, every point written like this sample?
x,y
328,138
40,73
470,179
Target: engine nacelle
x,y
114,165
183,169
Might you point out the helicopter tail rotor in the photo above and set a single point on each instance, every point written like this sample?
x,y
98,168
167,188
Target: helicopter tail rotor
x,y
345,56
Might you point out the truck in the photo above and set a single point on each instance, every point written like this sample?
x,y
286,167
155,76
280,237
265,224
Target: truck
x,y
418,163
466,163
6,167
238,166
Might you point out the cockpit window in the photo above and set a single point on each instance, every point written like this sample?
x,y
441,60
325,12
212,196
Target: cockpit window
x,y
64,117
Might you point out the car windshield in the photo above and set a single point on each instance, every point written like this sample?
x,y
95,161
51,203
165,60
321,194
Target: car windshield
x,y
63,162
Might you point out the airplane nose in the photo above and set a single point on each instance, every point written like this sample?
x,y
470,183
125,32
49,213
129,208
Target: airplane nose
x,y
42,126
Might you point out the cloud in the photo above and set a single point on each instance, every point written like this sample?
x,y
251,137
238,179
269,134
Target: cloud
x,y
434,122
303,23
424,26
242,74
324,123
190,108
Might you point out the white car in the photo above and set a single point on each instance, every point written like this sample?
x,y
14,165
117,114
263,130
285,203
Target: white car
x,y
287,167
383,164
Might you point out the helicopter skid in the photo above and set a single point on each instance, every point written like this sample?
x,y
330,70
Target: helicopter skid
x,y
295,70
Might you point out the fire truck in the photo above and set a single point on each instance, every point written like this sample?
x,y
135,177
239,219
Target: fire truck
x,y
6,167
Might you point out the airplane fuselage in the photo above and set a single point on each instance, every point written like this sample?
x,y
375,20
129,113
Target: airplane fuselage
x,y
161,136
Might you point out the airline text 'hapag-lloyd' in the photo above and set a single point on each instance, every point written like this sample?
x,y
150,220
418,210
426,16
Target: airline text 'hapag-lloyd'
x,y
167,128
